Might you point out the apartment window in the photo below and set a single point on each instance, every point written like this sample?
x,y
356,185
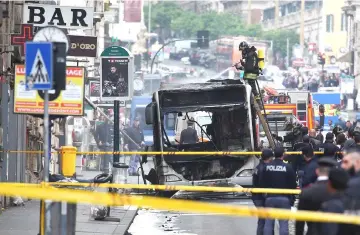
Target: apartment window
x,y
344,22
330,23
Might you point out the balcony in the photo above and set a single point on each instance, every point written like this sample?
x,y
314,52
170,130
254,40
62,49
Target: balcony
x,y
292,21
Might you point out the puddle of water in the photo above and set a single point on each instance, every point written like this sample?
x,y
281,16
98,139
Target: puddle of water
x,y
156,222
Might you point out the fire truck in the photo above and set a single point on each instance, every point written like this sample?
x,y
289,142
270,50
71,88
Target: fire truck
x,y
299,103
284,110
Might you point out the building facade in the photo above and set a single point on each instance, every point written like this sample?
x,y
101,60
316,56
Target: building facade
x,y
25,132
325,25
240,8
290,18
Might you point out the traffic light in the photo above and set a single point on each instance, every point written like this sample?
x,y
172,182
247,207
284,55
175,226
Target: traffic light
x,y
203,39
321,59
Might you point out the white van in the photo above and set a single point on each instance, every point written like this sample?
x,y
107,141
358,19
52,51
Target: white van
x,y
200,117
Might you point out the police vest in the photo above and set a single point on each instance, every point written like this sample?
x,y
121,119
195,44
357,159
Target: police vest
x,y
276,168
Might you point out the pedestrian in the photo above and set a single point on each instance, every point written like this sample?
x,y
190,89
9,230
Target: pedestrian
x,y
348,145
348,125
259,198
328,147
340,141
315,142
336,186
278,174
133,141
311,198
320,136
309,175
104,140
351,163
189,135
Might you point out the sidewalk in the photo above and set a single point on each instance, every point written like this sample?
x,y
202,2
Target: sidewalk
x,y
24,220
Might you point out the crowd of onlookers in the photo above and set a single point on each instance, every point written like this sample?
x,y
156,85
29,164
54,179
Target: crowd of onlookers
x,y
311,81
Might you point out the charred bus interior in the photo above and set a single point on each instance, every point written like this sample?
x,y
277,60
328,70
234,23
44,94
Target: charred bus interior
x,y
232,128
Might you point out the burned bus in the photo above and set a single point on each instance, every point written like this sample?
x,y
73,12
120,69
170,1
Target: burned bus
x,y
232,128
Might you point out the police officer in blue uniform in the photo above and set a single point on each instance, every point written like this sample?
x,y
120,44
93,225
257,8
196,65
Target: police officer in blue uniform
x,y
310,167
258,198
278,174
328,147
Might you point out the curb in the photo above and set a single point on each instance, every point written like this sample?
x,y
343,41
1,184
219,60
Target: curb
x,y
131,221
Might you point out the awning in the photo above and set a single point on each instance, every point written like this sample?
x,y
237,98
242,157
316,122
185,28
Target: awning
x,y
346,58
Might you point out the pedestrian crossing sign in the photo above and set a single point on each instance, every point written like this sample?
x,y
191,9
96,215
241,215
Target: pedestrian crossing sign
x,y
39,65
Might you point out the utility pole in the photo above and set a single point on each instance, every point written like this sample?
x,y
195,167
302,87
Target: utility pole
x,y
287,53
149,31
276,13
318,26
249,11
302,40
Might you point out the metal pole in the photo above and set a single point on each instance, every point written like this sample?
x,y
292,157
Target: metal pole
x,y
249,12
64,222
46,160
149,31
302,40
287,53
276,13
116,131
318,26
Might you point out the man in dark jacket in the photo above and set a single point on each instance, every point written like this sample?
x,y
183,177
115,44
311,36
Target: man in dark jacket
x,y
278,174
328,147
351,163
137,135
315,142
337,184
311,198
259,198
104,139
311,165
189,135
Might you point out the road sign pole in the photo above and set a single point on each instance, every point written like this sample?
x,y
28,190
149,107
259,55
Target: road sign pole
x,y
47,160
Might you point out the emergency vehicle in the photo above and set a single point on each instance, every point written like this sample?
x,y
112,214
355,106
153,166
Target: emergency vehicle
x,y
298,102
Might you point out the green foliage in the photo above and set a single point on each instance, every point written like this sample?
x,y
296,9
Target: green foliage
x,y
169,16
279,38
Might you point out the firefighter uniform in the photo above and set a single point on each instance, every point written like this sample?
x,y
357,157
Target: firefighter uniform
x,y
278,174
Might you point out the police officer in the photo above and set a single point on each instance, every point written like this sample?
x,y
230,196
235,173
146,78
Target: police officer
x,y
278,174
328,147
309,175
258,198
351,163
312,197
337,184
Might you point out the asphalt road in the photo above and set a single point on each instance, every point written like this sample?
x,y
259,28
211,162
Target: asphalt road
x,y
177,63
165,222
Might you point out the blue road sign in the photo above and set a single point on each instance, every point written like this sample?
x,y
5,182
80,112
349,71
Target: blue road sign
x,y
38,65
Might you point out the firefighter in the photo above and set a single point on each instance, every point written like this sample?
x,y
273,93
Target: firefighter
x,y
250,65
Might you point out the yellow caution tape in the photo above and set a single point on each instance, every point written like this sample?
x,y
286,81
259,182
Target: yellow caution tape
x,y
155,153
98,198
165,187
